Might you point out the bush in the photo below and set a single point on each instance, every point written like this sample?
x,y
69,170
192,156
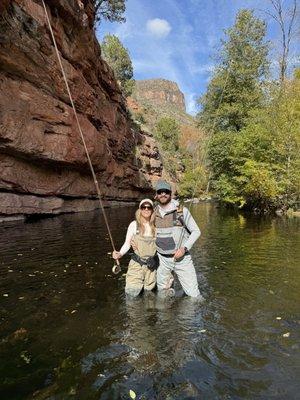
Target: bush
x,y
167,133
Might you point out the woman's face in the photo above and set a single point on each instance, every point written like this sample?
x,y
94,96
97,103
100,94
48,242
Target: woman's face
x,y
146,210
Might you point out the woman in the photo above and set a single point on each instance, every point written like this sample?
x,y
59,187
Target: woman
x,y
141,272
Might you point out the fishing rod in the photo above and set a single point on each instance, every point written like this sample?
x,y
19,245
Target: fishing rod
x,y
116,268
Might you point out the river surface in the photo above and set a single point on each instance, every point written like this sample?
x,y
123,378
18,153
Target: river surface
x,y
68,332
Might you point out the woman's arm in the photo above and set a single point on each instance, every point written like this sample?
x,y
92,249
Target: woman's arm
x,y
129,235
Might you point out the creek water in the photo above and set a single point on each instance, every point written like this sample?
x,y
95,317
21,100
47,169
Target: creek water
x,y
68,332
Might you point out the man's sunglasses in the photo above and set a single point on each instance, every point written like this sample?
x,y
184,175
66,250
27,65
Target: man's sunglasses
x,y
161,191
146,208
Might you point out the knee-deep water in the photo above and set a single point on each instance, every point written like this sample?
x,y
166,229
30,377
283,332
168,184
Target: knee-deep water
x,y
68,332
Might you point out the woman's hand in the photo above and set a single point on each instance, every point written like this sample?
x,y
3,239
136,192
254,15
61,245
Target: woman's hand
x,y
116,255
133,244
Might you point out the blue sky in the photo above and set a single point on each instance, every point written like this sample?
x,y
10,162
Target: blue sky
x,y
177,39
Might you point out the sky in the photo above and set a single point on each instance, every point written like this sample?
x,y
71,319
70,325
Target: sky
x,y
179,39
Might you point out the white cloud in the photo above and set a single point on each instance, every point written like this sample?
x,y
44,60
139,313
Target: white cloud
x,y
191,103
158,27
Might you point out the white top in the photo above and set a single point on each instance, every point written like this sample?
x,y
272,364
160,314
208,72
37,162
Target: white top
x,y
132,230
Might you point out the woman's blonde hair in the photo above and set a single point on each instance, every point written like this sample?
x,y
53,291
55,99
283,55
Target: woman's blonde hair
x,y
139,220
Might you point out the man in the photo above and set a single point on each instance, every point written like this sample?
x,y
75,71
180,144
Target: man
x,y
176,232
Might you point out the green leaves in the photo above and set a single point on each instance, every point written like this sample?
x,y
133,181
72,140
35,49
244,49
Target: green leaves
x,y
235,88
117,56
111,10
167,133
259,166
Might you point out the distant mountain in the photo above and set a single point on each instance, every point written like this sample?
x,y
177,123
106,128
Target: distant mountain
x,y
156,98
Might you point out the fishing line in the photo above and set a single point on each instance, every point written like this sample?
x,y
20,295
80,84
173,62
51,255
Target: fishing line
x,y
116,269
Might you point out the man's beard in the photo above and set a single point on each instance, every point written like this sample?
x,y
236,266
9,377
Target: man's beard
x,y
164,200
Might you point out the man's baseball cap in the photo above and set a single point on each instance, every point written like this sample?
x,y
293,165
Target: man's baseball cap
x,y
160,185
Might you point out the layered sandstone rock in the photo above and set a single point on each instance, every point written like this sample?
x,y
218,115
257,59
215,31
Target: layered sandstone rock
x,y
157,98
159,92
43,166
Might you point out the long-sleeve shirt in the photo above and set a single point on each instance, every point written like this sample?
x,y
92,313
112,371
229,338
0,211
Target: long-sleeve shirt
x,y
132,230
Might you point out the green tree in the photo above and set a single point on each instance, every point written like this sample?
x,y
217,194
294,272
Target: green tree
x,y
167,133
236,86
259,167
111,10
192,182
117,56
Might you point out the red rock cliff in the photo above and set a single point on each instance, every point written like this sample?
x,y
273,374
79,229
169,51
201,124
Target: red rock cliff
x,y
43,167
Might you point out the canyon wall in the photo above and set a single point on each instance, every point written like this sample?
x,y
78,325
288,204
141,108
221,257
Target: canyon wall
x,y
43,166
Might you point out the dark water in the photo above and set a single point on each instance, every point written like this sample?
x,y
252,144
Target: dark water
x,y
67,331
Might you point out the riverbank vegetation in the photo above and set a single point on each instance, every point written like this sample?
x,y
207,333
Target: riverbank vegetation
x,y
253,123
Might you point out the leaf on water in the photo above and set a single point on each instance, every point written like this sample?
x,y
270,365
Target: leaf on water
x,y
278,318
25,356
287,334
132,394
202,330
72,391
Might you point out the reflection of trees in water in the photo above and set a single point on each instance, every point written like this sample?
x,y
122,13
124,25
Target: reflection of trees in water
x,y
250,264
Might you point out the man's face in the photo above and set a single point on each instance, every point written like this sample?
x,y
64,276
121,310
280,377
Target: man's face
x,y
163,196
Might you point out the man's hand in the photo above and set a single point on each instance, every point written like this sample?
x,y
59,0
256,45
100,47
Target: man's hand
x,y
116,255
179,253
133,245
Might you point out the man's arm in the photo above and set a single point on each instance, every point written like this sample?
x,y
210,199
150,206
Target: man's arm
x,y
192,227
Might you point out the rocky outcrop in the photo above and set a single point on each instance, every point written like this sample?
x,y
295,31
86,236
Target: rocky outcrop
x,y
157,98
159,92
43,166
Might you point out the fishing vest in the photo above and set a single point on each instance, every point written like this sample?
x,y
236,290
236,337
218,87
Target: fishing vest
x,y
171,231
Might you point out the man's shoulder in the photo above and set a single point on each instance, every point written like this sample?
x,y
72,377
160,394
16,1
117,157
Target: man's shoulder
x,y
185,210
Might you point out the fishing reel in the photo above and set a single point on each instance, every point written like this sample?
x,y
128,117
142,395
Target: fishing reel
x,y
116,269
